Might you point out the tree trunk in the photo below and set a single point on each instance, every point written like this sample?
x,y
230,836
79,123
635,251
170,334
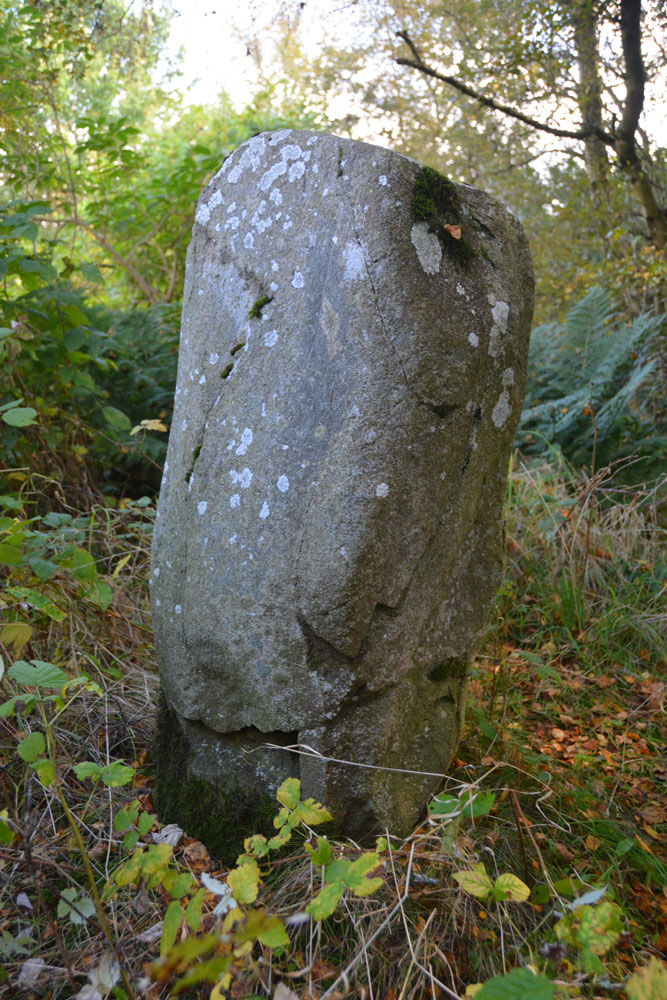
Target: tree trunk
x,y
625,144
590,103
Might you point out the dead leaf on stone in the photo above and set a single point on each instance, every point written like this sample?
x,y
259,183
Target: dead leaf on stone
x,y
454,231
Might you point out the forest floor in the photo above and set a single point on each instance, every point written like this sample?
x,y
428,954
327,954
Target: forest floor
x,y
559,783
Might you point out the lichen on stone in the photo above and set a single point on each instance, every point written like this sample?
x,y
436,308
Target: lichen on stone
x,y
435,202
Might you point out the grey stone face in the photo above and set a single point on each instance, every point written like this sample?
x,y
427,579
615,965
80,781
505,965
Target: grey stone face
x,y
329,535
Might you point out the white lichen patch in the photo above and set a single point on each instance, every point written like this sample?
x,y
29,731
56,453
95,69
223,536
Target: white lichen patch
x,y
203,214
246,441
243,478
276,197
251,157
264,512
353,260
201,506
427,246
283,484
235,500
287,153
508,377
249,241
381,490
473,340
177,609
382,179
297,170
270,338
501,410
215,200
499,313
298,280
213,359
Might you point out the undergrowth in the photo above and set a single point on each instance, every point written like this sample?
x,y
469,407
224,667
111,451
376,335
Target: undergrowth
x,y
538,871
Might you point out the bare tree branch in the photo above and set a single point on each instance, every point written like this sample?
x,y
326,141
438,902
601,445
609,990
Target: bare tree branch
x,y
488,102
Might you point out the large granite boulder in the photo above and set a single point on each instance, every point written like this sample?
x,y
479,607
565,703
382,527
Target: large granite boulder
x,y
329,534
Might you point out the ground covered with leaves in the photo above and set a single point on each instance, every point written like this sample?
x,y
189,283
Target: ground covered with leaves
x,y
539,870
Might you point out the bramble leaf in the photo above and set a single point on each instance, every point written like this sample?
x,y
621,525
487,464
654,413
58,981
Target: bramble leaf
x,y
326,901
289,793
244,881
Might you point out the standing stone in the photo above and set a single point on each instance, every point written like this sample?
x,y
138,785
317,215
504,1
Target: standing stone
x,y
329,534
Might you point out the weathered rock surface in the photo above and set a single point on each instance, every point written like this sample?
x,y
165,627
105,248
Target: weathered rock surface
x,y
329,535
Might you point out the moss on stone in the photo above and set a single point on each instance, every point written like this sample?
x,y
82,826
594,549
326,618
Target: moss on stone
x,y
257,306
435,201
220,815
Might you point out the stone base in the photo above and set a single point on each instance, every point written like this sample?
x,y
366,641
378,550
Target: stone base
x,y
220,787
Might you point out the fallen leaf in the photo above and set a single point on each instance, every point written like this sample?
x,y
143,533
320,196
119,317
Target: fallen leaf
x,y
454,231
283,992
170,834
564,852
592,843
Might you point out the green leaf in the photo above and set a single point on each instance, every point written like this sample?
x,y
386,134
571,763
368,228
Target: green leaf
x,y
510,887
130,840
180,885
476,804
355,876
31,747
208,971
81,563
648,983
116,419
280,839
193,910
20,416
326,901
37,601
244,881
100,593
289,793
256,845
519,984
38,673
170,927
310,812
337,870
16,634
87,769
76,908
321,855
261,926
145,822
126,816
10,555
45,769
116,774
7,834
599,927
445,805
476,882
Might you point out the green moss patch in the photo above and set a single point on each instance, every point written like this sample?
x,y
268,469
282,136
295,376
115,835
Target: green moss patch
x,y
257,306
435,201
219,814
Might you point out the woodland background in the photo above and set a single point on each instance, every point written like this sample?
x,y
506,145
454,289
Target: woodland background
x,y
557,109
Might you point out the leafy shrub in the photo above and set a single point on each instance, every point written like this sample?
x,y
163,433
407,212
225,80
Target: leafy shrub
x,y
588,386
67,378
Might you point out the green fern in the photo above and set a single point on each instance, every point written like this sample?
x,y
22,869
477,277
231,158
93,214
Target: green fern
x,y
590,376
